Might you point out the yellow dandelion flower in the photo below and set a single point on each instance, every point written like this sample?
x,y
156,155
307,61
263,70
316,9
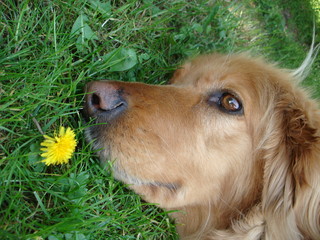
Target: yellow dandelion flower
x,y
59,149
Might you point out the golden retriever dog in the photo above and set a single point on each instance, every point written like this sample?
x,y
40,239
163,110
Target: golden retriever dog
x,y
232,143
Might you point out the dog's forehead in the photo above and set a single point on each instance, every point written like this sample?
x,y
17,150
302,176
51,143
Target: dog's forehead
x,y
209,73
251,80
208,69
233,71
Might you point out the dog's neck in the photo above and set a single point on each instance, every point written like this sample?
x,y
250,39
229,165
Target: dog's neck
x,y
208,219
208,222
216,217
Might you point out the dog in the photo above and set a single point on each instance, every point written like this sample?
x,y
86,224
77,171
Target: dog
x,y
232,143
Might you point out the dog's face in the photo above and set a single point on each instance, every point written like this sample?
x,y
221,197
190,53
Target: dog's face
x,y
181,143
193,140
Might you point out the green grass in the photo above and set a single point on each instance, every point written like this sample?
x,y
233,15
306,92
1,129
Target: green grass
x,y
50,49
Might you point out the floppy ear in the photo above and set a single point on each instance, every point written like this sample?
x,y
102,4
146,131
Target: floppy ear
x,y
291,195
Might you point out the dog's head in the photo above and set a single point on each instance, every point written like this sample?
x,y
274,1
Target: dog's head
x,y
226,128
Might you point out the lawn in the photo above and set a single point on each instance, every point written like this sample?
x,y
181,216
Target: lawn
x,y
50,49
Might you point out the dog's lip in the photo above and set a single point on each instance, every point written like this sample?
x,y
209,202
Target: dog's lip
x,y
170,186
132,180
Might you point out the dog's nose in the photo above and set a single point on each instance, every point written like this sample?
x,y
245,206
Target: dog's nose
x,y
104,99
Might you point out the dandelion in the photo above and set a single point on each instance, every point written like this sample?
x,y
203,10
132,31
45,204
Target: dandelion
x,y
59,149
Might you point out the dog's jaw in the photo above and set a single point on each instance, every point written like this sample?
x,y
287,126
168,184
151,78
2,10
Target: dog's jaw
x,y
138,182
140,185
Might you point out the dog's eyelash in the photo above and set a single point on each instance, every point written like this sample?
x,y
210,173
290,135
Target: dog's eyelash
x,y
226,102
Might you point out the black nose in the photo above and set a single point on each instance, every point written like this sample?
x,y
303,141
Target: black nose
x,y
104,99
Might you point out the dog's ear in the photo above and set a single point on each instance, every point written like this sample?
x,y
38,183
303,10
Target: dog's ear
x,y
180,73
300,140
291,171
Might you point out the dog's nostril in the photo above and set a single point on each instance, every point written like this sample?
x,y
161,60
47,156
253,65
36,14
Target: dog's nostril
x,y
109,104
95,101
105,101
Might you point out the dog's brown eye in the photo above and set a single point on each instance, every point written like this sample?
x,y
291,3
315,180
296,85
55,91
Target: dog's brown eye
x,y
230,103
226,102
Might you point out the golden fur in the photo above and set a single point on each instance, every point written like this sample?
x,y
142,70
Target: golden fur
x,y
251,175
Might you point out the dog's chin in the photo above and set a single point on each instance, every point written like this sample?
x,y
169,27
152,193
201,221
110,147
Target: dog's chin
x,y
162,193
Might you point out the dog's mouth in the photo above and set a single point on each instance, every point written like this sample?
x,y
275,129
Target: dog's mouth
x,y
119,173
135,181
